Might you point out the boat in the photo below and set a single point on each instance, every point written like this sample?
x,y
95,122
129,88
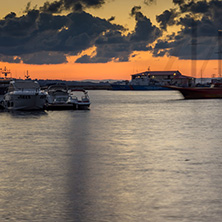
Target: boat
x,y
59,97
24,95
4,84
212,92
79,98
153,80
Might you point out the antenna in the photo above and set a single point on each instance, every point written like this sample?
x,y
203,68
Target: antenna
x,y
27,76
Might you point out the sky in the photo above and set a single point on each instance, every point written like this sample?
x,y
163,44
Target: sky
x,y
109,39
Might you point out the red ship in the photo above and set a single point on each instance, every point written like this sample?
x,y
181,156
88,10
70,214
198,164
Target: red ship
x,y
212,92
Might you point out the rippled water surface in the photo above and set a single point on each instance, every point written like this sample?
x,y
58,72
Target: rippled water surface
x,y
134,156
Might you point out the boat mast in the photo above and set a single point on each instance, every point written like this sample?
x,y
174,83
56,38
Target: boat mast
x,y
27,76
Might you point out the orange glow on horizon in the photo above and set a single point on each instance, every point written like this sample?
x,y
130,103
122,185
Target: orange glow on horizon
x,y
111,70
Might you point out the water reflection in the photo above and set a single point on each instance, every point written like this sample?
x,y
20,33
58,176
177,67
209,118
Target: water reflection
x,y
25,114
134,163
150,159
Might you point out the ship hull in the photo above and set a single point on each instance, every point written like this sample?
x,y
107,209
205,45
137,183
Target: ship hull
x,y
24,102
137,87
121,87
199,92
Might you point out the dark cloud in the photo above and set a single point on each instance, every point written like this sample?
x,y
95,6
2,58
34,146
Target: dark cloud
x,y
70,5
167,18
13,26
40,37
199,22
10,16
37,58
179,2
9,59
43,36
193,6
144,30
111,19
135,10
44,58
113,45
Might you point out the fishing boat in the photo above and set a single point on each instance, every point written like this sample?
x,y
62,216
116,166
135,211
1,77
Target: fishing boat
x,y
24,95
212,92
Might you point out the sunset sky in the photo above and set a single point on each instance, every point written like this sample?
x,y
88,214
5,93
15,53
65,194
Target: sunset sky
x,y
108,39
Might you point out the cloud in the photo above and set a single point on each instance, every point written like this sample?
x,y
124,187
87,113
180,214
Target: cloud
x,y
38,32
144,30
44,58
167,18
113,45
10,59
40,37
70,5
43,36
149,2
111,19
37,58
198,21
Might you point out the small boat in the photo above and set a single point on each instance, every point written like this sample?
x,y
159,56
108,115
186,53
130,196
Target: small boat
x,y
212,92
79,98
24,95
59,97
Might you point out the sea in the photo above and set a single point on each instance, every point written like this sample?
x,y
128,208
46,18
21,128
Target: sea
x,y
135,156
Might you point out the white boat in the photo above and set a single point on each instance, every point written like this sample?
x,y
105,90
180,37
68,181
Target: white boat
x,y
24,95
79,98
57,94
59,97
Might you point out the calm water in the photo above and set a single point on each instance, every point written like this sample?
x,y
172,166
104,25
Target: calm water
x,y
134,157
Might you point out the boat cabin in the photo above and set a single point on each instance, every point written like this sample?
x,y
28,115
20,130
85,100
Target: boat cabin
x,y
23,85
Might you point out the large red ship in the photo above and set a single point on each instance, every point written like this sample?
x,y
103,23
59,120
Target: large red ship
x,y
212,92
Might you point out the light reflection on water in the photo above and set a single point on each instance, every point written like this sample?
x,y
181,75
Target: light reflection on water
x,y
135,156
